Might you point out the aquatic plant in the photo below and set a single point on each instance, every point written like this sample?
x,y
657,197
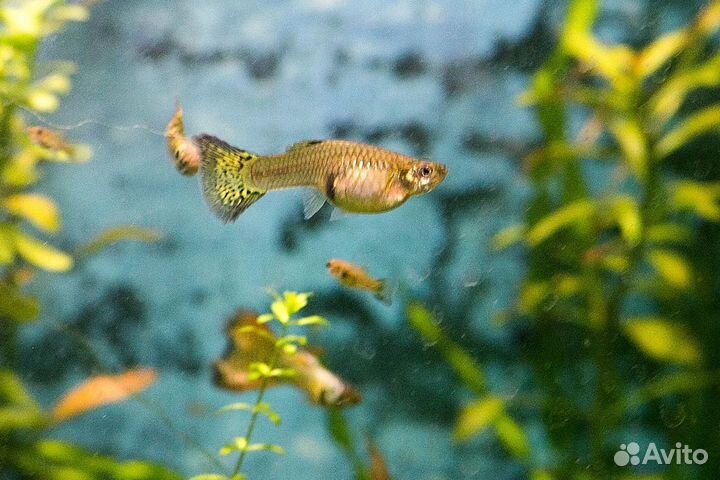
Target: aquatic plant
x,y
620,237
273,365
26,219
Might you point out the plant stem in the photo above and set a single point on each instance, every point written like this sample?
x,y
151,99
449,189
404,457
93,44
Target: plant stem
x,y
258,401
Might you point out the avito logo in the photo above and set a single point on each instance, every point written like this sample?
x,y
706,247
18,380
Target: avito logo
x,y
680,455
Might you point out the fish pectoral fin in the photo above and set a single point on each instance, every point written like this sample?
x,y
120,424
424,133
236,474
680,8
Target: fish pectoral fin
x,y
339,214
312,202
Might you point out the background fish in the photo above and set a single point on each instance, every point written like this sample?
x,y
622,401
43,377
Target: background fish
x,y
354,276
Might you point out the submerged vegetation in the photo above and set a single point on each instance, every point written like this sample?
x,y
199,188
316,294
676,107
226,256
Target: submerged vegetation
x,y
616,313
27,218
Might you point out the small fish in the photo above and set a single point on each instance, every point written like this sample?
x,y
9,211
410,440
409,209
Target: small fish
x,y
49,139
183,150
56,142
354,177
354,276
102,390
232,371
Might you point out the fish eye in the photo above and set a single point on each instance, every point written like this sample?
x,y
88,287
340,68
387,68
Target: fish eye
x,y
425,171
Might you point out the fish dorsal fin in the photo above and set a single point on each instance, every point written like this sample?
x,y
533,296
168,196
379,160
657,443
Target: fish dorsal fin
x,y
312,202
303,144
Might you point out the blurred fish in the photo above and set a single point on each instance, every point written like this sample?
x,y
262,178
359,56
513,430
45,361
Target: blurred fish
x,y
183,150
102,390
49,139
354,177
232,371
354,276
57,143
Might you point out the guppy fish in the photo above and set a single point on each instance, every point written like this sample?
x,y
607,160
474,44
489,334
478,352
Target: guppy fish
x,y
232,371
354,177
354,276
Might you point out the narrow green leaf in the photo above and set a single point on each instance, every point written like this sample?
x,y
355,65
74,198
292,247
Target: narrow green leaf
x,y
633,144
575,212
116,235
39,210
294,301
7,245
671,267
265,447
209,476
701,198
508,237
627,213
265,318
512,436
280,311
663,340
41,254
477,417
660,52
311,320
699,123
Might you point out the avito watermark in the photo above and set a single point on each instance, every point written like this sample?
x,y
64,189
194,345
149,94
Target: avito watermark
x,y
680,455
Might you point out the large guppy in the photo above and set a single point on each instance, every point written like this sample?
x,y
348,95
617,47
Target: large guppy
x,y
354,177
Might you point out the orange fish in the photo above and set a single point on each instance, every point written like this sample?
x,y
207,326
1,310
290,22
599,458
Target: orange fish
x,y
354,276
102,390
232,371
183,150
49,139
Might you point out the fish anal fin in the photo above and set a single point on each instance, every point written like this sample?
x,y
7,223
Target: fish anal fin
x,y
312,202
339,214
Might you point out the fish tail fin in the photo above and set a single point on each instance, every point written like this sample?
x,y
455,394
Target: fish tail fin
x,y
224,170
386,292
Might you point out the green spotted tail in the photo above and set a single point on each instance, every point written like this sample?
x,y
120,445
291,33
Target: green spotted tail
x,y
224,170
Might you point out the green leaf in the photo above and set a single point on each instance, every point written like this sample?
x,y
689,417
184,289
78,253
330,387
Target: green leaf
x,y
633,144
699,123
668,233
423,322
311,320
265,318
7,246
701,198
261,408
508,237
627,213
280,311
239,444
672,94
16,306
512,436
210,476
265,447
663,340
40,254
671,267
478,417
119,234
660,52
575,212
36,209
296,301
